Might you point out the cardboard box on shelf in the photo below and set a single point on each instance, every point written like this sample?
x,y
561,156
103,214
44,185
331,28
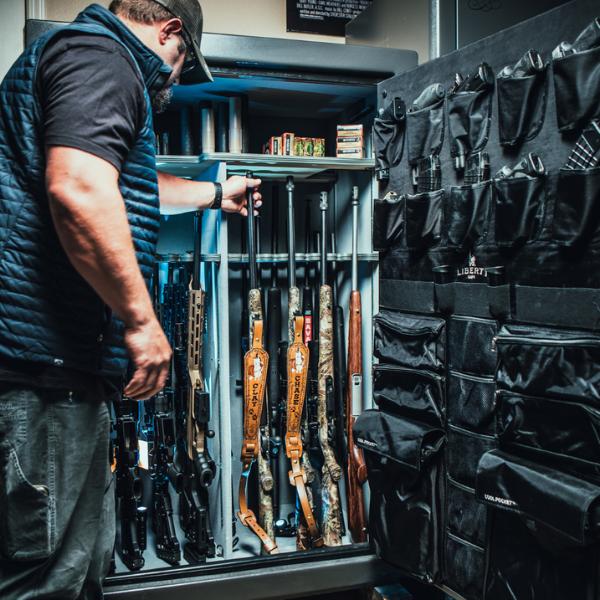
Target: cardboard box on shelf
x,y
349,130
350,153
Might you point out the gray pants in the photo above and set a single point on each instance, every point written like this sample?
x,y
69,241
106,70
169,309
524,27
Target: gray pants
x,y
57,515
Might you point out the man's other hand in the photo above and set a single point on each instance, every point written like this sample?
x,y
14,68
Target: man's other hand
x,y
234,194
150,354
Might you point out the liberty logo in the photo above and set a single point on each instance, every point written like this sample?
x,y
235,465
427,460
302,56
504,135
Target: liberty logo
x,y
298,363
472,271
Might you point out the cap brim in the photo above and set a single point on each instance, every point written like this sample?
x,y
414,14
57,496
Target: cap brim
x,y
200,73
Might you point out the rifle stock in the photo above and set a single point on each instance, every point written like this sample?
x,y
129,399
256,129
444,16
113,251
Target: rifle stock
x,y
357,470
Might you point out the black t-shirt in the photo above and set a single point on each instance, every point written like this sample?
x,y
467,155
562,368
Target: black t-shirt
x,y
92,98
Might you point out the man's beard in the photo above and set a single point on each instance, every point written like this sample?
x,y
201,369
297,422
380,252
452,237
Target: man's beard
x,y
161,100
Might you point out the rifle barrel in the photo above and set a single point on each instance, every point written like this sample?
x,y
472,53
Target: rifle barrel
x,y
291,234
251,236
323,207
355,238
274,232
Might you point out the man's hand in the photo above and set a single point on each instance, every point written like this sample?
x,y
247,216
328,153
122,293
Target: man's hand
x,y
150,354
234,194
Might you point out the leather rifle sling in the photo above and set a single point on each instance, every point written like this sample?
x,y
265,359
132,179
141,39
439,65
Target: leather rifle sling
x,y
256,362
297,374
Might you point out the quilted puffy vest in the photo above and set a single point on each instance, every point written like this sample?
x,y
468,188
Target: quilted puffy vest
x,y
48,312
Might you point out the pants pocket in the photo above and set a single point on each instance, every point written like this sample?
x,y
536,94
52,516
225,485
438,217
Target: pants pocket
x,y
577,207
577,88
520,209
522,105
25,512
467,219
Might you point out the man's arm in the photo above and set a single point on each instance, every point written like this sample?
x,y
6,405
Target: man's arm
x,y
90,218
182,195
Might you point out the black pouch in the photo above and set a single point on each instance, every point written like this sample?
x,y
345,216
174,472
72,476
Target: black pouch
x,y
409,340
471,342
407,392
577,207
522,105
388,138
541,543
577,88
563,434
520,209
464,567
469,120
425,132
549,363
465,517
388,223
471,402
467,216
463,453
424,217
402,458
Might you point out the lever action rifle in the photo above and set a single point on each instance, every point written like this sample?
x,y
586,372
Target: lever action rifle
x,y
332,472
357,470
256,363
297,375
200,469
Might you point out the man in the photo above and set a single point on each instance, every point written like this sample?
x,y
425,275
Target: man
x,y
79,213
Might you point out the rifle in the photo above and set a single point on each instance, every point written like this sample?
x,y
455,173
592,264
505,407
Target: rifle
x,y
332,472
161,408
297,375
256,363
357,470
200,469
129,486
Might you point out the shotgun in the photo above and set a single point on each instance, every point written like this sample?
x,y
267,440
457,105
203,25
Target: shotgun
x,y
332,472
357,470
256,364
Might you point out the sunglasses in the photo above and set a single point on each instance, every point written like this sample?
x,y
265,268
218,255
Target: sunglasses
x,y
190,56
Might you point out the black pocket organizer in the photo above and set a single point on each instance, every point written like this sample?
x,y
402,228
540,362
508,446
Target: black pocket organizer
x,y
522,105
403,466
554,430
577,88
404,294
388,223
465,517
471,344
464,567
541,542
549,363
474,299
388,138
520,209
464,452
410,341
425,132
424,217
577,207
469,120
471,402
407,392
467,215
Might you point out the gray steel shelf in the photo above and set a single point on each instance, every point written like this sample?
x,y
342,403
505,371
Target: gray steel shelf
x,y
263,166
269,258
280,577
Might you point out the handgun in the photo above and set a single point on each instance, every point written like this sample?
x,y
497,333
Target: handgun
x,y
429,96
588,38
530,63
530,166
480,79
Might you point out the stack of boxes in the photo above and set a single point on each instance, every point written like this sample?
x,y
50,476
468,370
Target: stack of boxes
x,y
290,145
350,141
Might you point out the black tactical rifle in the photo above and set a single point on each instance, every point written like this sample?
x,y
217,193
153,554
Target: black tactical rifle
x,y
129,485
200,469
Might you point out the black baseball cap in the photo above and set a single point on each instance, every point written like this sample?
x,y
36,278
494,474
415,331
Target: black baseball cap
x,y
190,14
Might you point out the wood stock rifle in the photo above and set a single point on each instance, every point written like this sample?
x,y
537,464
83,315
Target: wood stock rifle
x,y
357,470
256,363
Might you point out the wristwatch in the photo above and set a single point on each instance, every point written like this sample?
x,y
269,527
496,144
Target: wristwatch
x,y
216,205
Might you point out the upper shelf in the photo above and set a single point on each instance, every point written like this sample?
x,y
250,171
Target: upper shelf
x,y
264,166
